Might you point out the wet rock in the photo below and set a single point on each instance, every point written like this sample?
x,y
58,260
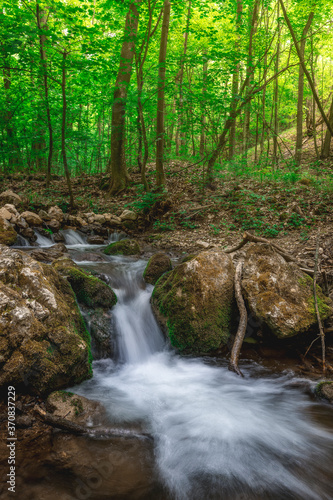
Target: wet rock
x,y
21,223
49,254
123,247
5,214
102,333
56,213
99,230
158,264
112,220
58,238
8,234
95,240
44,343
10,197
90,257
44,215
23,421
279,294
54,225
32,219
29,234
12,209
193,302
325,390
75,408
89,290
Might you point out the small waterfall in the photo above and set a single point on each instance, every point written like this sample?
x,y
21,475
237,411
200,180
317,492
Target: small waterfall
x,y
21,242
42,241
73,238
139,335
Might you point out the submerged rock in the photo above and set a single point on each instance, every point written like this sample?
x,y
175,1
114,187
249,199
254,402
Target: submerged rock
x,y
44,344
49,254
194,302
279,294
75,408
89,290
123,247
8,234
157,265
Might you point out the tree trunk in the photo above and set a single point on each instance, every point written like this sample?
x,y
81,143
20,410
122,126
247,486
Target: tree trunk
x,y
119,175
203,117
276,96
325,152
300,98
235,85
160,175
63,131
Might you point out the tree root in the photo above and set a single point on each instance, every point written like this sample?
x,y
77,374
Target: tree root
x,y
233,363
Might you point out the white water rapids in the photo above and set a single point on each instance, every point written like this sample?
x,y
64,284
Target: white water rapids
x,y
216,435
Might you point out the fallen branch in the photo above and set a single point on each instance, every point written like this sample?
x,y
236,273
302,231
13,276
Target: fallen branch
x,y
233,363
321,331
67,425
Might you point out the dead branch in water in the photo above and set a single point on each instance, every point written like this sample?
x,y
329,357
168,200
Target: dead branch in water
x,y
233,363
71,427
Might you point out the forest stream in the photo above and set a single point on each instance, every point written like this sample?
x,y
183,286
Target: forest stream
x,y
216,435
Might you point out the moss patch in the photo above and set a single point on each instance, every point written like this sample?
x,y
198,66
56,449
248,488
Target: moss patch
x,y
123,247
7,233
157,265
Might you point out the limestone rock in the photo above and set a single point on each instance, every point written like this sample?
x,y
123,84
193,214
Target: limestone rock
x,y
112,220
54,225
56,213
32,219
95,240
44,344
194,302
158,264
10,197
128,215
44,215
8,234
5,214
89,290
325,390
123,247
279,294
75,408
49,254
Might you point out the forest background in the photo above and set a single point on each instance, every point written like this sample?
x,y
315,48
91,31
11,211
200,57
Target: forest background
x,y
189,112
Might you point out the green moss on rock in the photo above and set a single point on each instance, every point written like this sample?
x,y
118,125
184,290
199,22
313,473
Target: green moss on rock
x,y
157,265
194,302
325,390
123,247
7,233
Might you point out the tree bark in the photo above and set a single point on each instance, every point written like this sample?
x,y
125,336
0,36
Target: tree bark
x,y
119,174
325,152
300,97
235,84
63,131
160,175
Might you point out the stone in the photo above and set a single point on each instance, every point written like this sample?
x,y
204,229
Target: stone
x,y
10,197
56,213
89,290
29,234
112,220
44,343
158,264
49,254
123,247
128,215
21,223
325,390
280,295
11,208
58,238
44,215
54,225
95,240
99,219
89,257
5,214
32,219
75,408
203,244
8,234
194,302
80,222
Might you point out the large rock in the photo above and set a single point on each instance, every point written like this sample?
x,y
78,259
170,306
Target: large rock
x,y
10,197
128,215
75,408
56,213
123,247
44,344
7,233
158,264
89,290
32,219
49,254
194,302
5,214
279,294
325,390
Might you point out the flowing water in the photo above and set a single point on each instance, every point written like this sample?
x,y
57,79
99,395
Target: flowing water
x,y
216,435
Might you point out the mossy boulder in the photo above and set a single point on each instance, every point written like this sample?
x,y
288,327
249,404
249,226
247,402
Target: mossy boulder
x,y
157,265
123,247
8,234
194,302
44,344
279,294
89,290
75,408
325,390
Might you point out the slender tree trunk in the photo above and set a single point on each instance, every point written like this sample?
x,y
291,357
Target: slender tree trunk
x,y
160,175
276,97
300,97
63,131
325,152
119,175
235,84
203,116
41,21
